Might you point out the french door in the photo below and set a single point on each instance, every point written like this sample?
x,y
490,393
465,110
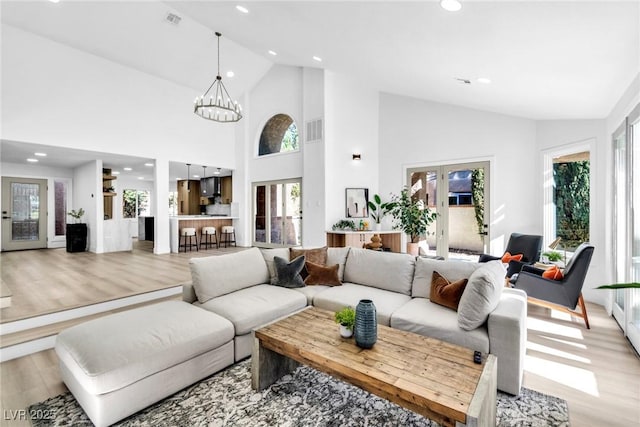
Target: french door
x,y
626,224
277,211
24,213
459,193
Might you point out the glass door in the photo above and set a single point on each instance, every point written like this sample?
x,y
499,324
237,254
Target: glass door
x,y
460,195
24,214
620,218
277,213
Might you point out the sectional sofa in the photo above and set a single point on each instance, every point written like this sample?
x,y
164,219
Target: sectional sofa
x,y
119,364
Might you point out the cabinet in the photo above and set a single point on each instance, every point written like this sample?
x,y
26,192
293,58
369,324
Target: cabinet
x,y
188,197
108,192
391,239
226,189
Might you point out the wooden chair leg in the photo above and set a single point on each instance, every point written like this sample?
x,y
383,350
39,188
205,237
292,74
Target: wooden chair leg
x,y
583,309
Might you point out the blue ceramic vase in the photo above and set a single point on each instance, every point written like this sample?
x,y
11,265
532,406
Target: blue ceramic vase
x,y
366,326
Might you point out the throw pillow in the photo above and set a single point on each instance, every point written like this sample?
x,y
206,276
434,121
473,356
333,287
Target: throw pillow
x,y
316,256
268,255
446,293
553,273
508,257
289,272
481,295
321,275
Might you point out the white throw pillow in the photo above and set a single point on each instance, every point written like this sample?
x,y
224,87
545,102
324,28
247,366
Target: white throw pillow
x,y
481,296
269,255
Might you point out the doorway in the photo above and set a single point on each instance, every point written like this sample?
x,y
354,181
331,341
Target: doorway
x,y
24,213
277,211
459,193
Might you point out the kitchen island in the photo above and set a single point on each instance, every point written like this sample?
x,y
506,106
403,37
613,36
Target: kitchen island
x,y
197,222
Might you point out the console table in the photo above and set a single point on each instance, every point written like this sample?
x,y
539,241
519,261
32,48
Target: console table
x,y
341,238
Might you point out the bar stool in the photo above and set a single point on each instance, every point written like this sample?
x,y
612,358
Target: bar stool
x,y
188,234
228,235
208,237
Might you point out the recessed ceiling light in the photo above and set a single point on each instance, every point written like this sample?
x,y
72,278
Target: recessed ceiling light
x,y
484,80
127,169
32,160
272,53
178,178
115,173
141,177
41,154
242,9
317,58
196,176
451,5
148,164
54,1
230,74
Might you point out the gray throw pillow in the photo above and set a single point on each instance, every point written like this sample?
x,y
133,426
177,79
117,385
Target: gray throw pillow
x,y
288,273
481,295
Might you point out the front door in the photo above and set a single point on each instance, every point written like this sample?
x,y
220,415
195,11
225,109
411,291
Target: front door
x,y
24,213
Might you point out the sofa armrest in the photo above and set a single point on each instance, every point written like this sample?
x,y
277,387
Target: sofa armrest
x,y
507,326
188,293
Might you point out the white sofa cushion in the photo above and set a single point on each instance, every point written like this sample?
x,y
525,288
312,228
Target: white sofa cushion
x,y
338,256
423,317
451,270
311,291
349,294
269,254
220,275
382,270
117,350
252,307
481,295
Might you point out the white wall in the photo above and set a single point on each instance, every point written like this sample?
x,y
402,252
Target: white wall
x,y
87,194
87,102
415,133
50,174
351,127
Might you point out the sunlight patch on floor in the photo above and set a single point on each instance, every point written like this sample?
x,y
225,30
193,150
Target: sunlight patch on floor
x,y
553,328
579,379
555,352
565,342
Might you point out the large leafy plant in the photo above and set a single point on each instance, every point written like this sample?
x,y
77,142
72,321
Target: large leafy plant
x,y
411,215
377,209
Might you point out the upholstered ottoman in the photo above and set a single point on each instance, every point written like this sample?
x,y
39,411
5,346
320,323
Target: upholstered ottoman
x,y
119,364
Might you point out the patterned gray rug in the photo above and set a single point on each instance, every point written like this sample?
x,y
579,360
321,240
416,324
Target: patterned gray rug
x,y
305,398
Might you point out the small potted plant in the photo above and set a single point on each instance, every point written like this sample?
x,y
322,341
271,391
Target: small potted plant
x,y
76,233
553,257
346,318
377,210
411,216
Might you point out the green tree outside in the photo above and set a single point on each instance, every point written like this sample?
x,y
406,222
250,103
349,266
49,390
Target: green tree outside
x,y
571,197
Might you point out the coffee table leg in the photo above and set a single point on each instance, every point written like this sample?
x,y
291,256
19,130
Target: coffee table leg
x,y
482,410
267,366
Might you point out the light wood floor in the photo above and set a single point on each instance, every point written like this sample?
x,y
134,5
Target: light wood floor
x,y
595,370
49,280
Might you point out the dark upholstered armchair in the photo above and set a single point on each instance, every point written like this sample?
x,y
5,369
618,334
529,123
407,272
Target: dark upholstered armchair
x,y
563,294
529,245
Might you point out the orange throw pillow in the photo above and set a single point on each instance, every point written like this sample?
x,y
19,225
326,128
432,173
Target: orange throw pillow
x,y
508,257
445,293
321,275
553,273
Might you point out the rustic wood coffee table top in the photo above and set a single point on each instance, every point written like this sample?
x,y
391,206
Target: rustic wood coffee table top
x,y
431,377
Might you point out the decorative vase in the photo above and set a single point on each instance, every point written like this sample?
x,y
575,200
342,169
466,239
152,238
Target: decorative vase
x,y
345,332
378,226
366,327
413,249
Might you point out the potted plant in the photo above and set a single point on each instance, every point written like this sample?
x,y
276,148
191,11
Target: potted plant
x,y
346,318
632,285
76,233
377,210
411,216
344,224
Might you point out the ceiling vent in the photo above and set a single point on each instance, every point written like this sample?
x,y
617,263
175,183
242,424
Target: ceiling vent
x,y
314,130
172,18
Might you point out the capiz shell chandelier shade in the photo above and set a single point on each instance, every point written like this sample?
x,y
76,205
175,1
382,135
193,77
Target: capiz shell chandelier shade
x,y
216,103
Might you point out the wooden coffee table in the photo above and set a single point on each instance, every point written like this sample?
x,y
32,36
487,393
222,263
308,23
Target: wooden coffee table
x,y
431,377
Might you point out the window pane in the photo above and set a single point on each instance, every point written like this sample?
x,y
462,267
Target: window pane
x,y
25,201
571,198
129,203
144,202
60,201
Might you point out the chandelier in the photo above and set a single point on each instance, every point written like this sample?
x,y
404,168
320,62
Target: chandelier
x,y
216,103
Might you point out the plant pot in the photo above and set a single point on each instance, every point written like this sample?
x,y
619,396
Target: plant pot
x,y
413,249
345,332
378,226
76,235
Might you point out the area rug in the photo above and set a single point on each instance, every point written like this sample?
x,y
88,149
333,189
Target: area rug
x,y
305,398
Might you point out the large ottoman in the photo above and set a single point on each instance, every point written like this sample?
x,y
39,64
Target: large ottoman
x,y
119,364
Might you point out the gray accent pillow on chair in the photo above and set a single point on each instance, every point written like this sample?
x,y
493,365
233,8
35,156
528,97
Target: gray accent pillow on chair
x,y
288,273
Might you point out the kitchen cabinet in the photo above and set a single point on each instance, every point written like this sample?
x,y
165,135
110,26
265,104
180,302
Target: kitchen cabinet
x,y
188,197
226,191
108,192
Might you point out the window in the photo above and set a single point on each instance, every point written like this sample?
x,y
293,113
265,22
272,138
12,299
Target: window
x,y
173,203
60,203
279,135
135,203
277,213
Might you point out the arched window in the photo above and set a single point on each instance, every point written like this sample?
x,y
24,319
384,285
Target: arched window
x,y
279,135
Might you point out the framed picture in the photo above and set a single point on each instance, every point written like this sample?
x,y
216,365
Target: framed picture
x,y
357,202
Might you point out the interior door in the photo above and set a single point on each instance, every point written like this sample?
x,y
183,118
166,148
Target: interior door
x,y
460,195
24,213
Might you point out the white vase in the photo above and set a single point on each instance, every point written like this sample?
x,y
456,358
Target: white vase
x,y
378,226
345,332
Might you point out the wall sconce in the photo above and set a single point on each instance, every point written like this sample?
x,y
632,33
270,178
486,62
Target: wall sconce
x,y
357,156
